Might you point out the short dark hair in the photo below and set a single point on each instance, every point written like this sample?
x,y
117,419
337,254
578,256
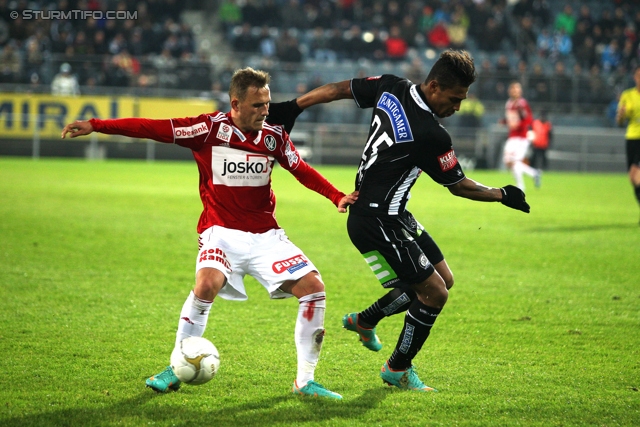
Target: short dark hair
x,y
453,68
245,78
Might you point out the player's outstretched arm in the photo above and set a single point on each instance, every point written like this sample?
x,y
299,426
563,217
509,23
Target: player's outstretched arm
x,y
347,201
77,128
509,195
286,113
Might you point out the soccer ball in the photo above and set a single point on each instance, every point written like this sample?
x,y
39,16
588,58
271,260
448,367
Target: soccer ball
x,y
195,361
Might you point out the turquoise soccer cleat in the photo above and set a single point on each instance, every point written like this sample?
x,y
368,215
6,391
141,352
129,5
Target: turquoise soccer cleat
x,y
314,389
164,381
406,380
368,337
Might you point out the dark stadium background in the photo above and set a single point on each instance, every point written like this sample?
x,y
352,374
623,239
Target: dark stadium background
x,y
572,57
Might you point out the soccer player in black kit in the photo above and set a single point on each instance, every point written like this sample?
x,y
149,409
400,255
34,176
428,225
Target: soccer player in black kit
x,y
404,140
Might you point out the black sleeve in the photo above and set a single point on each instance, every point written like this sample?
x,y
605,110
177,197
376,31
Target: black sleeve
x,y
366,90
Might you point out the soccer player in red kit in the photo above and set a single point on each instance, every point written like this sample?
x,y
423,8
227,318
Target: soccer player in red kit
x,y
518,118
239,235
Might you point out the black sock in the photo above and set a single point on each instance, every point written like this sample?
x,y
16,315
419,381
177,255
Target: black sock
x,y
637,190
417,326
395,301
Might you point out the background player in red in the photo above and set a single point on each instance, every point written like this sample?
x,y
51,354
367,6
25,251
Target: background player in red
x,y
239,235
518,119
405,140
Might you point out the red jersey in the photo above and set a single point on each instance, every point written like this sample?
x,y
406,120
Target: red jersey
x,y
518,117
235,167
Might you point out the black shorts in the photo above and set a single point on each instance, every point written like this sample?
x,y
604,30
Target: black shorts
x,y
633,152
398,249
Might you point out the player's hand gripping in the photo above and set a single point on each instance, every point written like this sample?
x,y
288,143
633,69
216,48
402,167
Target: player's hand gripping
x,y
77,128
346,201
514,198
284,113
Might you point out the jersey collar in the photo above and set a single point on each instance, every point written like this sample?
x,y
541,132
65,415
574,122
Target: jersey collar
x,y
419,98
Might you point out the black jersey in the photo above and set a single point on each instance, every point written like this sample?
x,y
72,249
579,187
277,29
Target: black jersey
x,y
405,139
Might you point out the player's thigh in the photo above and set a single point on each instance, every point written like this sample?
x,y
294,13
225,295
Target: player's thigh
x,y
390,250
276,261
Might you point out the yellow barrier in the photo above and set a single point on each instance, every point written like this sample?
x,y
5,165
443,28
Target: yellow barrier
x,y
23,116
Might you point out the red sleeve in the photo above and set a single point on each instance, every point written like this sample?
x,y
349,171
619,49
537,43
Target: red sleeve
x,y
313,180
527,120
158,130
189,132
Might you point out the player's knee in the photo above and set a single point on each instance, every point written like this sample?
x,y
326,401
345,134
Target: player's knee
x,y
433,291
209,281
311,283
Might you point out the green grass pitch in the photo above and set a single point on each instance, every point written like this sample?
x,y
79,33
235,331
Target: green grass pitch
x,y
542,327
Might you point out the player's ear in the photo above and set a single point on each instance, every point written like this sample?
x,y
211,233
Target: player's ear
x,y
432,86
235,104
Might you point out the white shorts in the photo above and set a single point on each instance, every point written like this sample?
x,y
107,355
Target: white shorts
x,y
269,257
515,149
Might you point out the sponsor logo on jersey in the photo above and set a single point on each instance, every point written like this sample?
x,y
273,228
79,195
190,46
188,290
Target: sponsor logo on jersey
x,y
374,78
399,122
224,132
249,166
423,261
190,131
447,161
270,142
237,168
292,264
291,154
214,254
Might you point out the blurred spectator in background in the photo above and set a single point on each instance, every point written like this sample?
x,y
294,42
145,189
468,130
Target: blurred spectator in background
x,y
229,14
471,112
598,90
566,20
544,43
540,90
288,49
244,41
166,66
376,49
457,30
415,71
586,54
562,86
526,38
10,65
427,20
266,43
491,36
293,15
396,47
542,135
438,36
409,30
355,46
64,83
611,56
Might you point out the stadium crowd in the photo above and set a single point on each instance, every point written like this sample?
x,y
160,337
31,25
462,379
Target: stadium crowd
x,y
573,51
564,51
152,48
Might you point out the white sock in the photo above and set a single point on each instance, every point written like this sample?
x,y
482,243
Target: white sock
x,y
309,334
527,169
193,318
517,171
